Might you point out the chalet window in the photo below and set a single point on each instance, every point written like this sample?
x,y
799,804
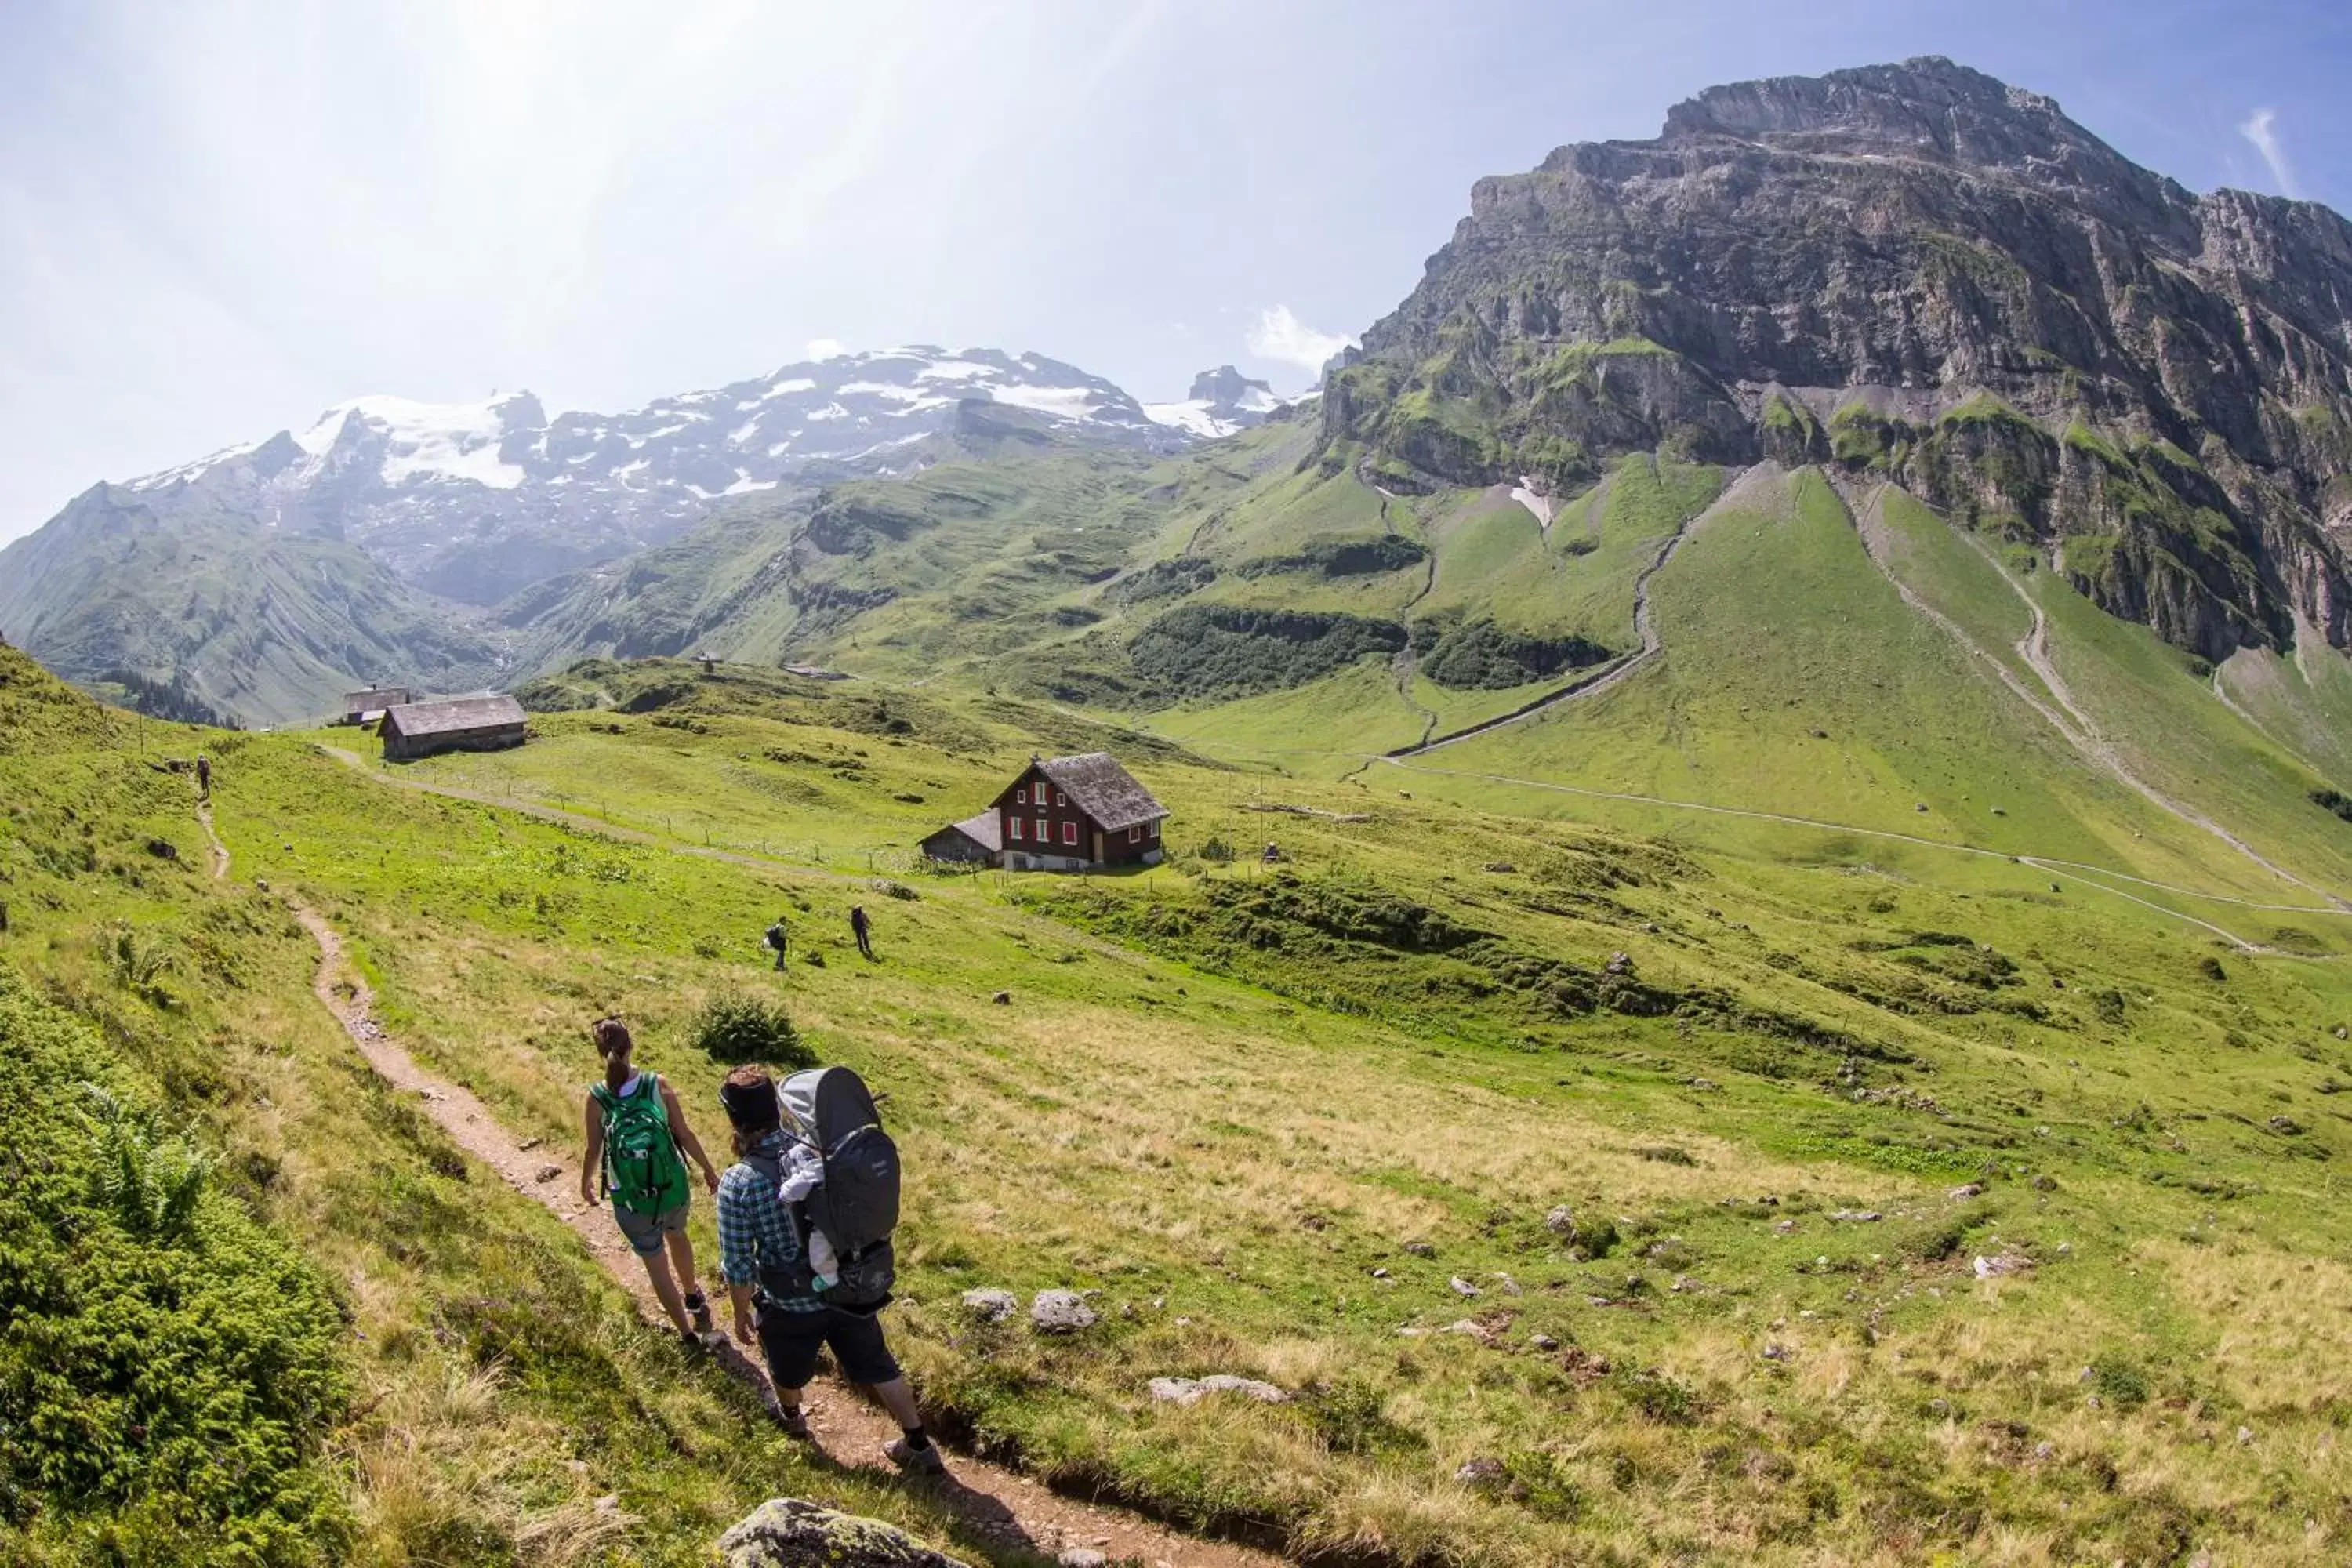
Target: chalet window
x,y
1021,795
1058,798
1014,823
1045,831
1155,828
1135,835
1069,832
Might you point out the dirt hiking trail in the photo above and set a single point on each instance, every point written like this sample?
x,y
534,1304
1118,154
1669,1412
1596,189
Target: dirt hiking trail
x,y
994,1504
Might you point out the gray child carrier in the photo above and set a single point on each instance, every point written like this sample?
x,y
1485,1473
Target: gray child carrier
x,y
830,1111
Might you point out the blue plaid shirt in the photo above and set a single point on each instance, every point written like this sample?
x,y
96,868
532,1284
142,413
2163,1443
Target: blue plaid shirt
x,y
753,1228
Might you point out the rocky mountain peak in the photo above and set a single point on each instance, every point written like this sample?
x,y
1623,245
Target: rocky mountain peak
x,y
1918,272
1222,401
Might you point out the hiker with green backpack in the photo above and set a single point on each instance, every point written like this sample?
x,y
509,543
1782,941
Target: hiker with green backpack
x,y
638,1143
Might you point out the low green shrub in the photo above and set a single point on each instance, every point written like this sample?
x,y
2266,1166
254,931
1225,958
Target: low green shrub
x,y
732,1027
168,1366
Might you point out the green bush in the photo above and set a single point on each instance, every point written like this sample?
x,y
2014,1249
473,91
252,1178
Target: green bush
x,y
167,1366
1481,656
1199,650
735,1028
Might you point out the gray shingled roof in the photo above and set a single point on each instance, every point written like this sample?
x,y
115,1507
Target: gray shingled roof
x,y
987,829
1099,786
415,719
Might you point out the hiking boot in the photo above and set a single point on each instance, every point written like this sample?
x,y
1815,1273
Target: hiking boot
x,y
692,1343
698,1306
791,1421
914,1461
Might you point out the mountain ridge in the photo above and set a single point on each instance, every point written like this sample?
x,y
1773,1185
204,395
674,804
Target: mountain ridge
x,y
1880,247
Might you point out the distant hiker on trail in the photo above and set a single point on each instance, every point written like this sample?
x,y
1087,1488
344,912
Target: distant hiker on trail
x,y
762,1255
203,777
777,935
638,1143
863,929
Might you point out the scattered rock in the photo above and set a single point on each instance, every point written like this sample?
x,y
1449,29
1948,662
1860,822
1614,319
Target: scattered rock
x,y
1420,1249
1509,1286
1083,1557
1966,1191
2045,1450
1618,964
162,849
1921,807
1648,928
2008,1261
1785,1228
1462,1287
2245,1436
1857,1216
787,1532
1583,1365
1774,1352
1192,1389
548,1174
1381,1273
991,1304
1482,1472
1560,1221
1003,998
1060,1312
1704,1083
1543,1343
527,1144
2284,1124
2343,1033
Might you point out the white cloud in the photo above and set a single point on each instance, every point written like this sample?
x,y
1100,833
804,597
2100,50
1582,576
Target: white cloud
x,y
1280,336
825,348
2262,129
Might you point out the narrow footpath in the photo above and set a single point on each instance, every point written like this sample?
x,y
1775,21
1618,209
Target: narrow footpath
x,y
994,1502
1592,683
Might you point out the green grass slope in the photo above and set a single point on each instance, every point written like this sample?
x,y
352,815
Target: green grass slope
x,y
1726,1123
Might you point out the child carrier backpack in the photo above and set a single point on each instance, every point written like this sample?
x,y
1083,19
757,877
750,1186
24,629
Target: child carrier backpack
x,y
643,1171
830,1111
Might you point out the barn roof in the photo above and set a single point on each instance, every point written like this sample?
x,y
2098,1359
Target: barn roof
x,y
413,719
1099,786
987,830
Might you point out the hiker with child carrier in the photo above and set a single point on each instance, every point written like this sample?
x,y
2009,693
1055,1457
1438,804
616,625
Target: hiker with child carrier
x,y
805,1216
805,1221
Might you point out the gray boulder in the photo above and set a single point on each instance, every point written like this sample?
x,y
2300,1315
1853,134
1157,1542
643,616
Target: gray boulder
x,y
1060,1312
991,1304
786,1532
1192,1389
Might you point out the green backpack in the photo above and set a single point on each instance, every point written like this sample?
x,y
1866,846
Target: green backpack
x,y
643,1171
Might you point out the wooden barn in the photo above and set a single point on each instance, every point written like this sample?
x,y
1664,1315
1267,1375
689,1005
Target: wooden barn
x,y
367,707
1076,814
976,840
457,724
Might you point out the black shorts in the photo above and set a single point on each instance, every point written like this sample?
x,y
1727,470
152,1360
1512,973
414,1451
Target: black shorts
x,y
790,1341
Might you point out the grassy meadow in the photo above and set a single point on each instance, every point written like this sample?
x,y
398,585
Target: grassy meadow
x,y
1720,1198
1792,1107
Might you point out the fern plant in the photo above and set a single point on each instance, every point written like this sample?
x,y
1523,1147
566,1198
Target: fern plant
x,y
152,1183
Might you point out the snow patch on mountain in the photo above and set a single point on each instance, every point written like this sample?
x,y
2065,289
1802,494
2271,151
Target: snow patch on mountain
x,y
1223,401
476,500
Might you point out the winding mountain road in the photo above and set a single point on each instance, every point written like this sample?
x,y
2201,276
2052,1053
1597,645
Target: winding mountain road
x,y
1594,682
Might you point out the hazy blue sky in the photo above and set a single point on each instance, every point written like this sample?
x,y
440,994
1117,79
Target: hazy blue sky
x,y
215,219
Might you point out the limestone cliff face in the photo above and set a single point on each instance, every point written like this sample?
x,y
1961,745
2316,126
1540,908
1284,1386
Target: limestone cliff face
x,y
1915,269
